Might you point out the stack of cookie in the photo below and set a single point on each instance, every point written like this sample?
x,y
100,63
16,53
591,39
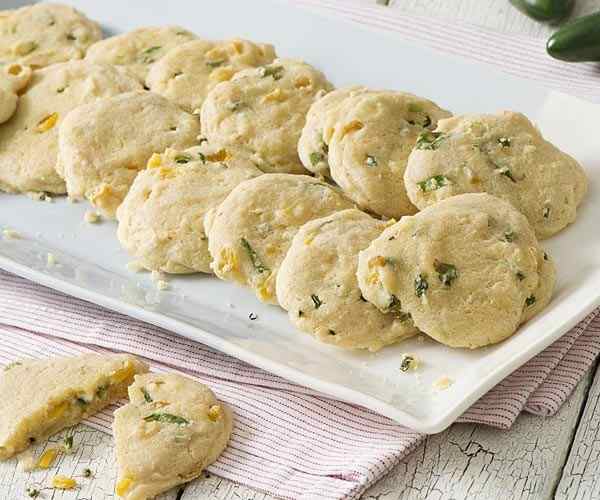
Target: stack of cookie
x,y
219,157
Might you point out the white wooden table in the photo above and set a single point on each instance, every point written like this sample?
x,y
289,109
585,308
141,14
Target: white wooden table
x,y
538,458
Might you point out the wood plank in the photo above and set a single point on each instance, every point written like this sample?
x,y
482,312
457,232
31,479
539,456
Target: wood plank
x,y
581,475
478,463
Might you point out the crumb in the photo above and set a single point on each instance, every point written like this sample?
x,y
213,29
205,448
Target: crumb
x,y
252,316
156,276
230,305
442,383
162,285
51,260
11,234
135,267
91,217
409,362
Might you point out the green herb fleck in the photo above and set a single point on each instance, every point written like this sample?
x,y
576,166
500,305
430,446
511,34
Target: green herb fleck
x,y
447,273
546,212
32,492
146,394
316,158
31,48
509,236
60,90
102,390
275,71
504,142
87,472
371,161
202,157
421,285
408,362
68,443
236,106
433,183
430,140
71,37
505,171
520,276
148,54
215,64
332,332
256,262
166,418
529,301
151,50
183,159
300,313
546,256
81,401
413,107
202,139
316,301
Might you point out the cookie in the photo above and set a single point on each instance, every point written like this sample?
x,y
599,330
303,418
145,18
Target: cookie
x,y
44,33
251,231
504,155
467,270
261,113
317,284
189,71
313,145
160,220
139,49
370,145
29,141
42,397
104,144
170,431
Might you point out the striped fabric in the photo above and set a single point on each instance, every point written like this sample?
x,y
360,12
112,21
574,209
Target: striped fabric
x,y
288,440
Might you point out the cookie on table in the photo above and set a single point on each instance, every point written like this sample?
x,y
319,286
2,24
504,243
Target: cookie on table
x,y
251,231
189,71
104,144
261,112
370,145
42,397
160,220
29,141
313,145
468,270
138,49
170,431
45,33
317,284
502,154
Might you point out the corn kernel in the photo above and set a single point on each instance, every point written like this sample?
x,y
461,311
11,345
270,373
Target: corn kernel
x,y
222,74
63,483
46,123
123,486
58,410
154,161
47,458
378,261
220,155
351,127
238,46
276,95
214,413
124,373
302,81
228,261
373,278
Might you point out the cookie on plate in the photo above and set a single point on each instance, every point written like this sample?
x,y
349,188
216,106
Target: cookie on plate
x,y
502,154
370,144
42,397
468,270
29,141
317,284
160,220
104,144
170,431
189,71
261,112
138,49
251,231
45,33
313,145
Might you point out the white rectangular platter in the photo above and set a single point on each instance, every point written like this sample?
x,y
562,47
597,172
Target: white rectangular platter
x,y
202,308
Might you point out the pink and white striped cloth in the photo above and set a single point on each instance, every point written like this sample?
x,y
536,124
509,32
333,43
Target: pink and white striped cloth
x,y
288,440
